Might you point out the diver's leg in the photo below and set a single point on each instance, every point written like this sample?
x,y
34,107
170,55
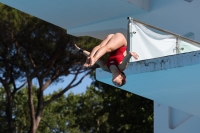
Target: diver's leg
x,y
103,43
116,41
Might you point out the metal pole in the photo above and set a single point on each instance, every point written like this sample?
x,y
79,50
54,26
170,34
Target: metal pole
x,y
177,45
180,37
129,37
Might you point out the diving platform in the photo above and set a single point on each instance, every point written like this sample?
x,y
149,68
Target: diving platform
x,y
171,80
166,72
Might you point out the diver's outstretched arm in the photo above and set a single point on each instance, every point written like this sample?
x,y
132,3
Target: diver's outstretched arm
x,y
78,49
124,63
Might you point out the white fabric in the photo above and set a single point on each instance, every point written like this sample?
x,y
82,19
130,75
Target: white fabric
x,y
149,44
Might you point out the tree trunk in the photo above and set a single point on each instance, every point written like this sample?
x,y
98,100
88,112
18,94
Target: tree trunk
x,y
35,117
34,126
9,104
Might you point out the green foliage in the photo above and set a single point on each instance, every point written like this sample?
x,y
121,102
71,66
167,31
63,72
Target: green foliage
x,y
31,48
37,47
58,116
21,110
90,118
15,19
108,110
111,110
3,125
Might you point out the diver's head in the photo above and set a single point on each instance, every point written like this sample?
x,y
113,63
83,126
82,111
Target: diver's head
x,y
119,80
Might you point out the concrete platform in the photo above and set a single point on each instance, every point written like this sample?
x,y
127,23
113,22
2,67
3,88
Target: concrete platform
x,y
170,80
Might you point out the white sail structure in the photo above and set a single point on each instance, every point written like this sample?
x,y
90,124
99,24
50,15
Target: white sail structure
x,y
152,42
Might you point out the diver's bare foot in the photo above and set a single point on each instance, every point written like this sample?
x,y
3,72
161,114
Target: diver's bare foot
x,y
87,62
134,55
92,61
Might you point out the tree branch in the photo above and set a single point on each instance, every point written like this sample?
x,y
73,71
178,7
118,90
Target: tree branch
x,y
16,89
7,70
48,64
57,74
30,58
54,97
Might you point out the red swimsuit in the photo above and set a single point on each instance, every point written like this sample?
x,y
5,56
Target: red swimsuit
x,y
116,57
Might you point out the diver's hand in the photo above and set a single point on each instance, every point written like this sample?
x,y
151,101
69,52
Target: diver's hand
x,y
134,55
76,50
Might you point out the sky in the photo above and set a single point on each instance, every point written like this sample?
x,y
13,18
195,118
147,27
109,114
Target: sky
x,y
81,88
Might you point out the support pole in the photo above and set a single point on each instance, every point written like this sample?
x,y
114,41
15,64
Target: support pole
x,y
129,36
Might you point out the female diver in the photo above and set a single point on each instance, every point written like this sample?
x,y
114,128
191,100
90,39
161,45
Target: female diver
x,y
116,45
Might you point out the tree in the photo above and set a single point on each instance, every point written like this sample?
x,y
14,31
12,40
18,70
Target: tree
x,y
94,111
111,110
55,115
34,49
9,73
